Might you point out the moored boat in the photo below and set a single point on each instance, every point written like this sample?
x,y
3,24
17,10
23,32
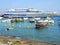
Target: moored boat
x,y
50,20
17,20
31,20
37,18
25,18
41,24
1,17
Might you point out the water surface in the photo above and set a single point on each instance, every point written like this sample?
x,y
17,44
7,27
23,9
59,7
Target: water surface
x,y
50,33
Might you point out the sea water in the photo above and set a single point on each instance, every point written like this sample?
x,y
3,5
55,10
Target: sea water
x,y
50,33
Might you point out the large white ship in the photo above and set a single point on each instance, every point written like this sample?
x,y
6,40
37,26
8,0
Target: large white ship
x,y
26,12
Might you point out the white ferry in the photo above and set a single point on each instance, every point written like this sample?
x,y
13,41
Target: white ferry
x,y
26,12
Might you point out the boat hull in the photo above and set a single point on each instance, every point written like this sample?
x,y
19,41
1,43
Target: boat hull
x,y
41,24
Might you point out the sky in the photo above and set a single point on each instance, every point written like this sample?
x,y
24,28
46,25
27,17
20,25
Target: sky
x,y
45,5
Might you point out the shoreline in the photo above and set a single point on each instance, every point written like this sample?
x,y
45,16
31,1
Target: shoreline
x,y
23,41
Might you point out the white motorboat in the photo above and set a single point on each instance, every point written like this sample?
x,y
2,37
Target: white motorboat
x,y
1,17
31,20
25,18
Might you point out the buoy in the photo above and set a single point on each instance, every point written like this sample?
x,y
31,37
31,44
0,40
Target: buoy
x,y
7,28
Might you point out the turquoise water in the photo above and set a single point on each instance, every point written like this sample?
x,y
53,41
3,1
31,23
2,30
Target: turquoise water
x,y
50,33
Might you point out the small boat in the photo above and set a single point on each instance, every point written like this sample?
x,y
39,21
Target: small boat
x,y
37,18
10,28
48,18
41,23
51,21
20,19
32,20
1,17
17,20
12,21
25,18
8,20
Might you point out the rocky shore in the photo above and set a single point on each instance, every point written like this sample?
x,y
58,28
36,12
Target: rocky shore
x,y
7,40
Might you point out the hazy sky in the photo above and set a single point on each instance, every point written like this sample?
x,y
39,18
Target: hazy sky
x,y
46,5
